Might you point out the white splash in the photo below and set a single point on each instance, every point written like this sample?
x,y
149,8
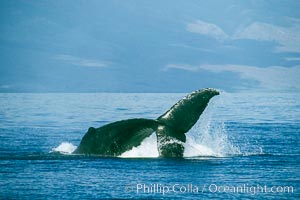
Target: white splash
x,y
213,142
65,148
194,150
147,149
209,138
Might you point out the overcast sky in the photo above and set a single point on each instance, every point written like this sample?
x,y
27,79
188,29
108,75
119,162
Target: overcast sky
x,y
149,45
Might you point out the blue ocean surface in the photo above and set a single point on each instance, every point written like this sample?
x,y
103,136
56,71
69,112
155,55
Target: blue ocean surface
x,y
244,146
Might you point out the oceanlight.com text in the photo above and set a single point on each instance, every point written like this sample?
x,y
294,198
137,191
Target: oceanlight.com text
x,y
165,189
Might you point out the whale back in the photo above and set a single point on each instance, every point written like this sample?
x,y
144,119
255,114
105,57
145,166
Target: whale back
x,y
115,138
185,113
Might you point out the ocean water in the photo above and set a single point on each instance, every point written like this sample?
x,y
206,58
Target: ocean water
x,y
245,146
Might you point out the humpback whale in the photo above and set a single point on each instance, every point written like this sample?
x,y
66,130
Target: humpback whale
x,y
118,137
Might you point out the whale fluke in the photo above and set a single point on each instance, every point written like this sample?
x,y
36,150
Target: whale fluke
x,y
186,112
118,137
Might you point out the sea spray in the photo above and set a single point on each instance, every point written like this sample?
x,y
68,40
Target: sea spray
x,y
65,148
147,149
209,137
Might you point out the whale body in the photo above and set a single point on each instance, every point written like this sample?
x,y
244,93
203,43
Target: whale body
x,y
118,137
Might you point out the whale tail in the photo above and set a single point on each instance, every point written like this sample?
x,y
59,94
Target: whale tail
x,y
118,137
